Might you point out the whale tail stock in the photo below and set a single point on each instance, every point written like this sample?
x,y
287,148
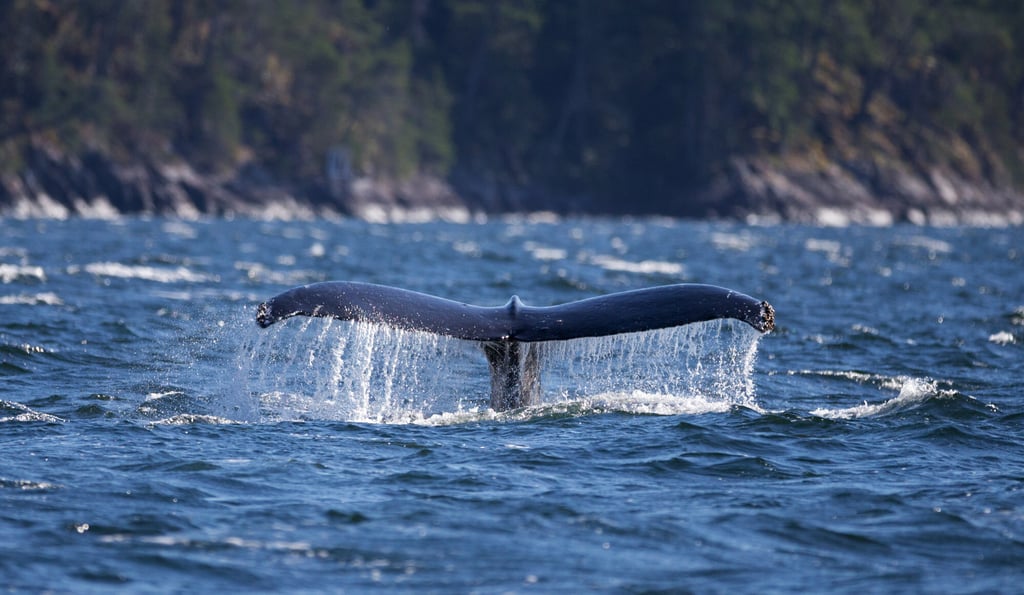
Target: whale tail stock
x,y
503,330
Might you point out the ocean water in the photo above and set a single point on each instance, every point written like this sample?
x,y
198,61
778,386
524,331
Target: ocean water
x,y
154,439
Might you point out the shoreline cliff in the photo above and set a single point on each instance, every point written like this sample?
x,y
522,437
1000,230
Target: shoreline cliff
x,y
53,184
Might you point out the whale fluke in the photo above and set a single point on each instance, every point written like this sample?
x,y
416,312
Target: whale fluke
x,y
501,329
625,312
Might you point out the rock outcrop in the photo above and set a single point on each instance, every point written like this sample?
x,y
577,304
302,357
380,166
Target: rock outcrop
x,y
855,192
56,185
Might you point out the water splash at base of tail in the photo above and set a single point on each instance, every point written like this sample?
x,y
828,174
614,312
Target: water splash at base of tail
x,y
326,369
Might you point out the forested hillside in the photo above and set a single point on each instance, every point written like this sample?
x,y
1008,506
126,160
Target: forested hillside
x,y
596,105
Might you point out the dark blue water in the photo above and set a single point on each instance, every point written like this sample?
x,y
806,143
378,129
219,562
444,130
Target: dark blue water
x,y
154,438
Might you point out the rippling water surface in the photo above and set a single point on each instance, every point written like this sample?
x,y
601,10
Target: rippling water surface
x,y
154,438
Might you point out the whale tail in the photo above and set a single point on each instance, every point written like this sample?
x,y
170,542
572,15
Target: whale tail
x,y
505,332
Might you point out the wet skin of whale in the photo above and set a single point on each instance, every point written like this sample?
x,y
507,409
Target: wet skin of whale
x,y
502,330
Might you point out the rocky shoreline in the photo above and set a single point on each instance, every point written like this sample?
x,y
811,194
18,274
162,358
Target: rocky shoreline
x,y
55,185
52,184
841,193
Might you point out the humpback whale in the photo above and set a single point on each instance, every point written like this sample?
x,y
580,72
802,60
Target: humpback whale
x,y
506,332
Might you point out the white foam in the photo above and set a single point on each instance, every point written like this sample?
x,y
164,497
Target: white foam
x,y
1002,338
25,414
46,298
147,273
468,248
16,272
547,217
912,391
180,228
831,248
647,267
28,348
189,419
539,252
731,241
162,395
930,244
259,271
847,374
639,402
631,402
32,416
27,484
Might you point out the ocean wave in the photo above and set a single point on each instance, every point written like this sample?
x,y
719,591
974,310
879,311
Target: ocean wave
x,y
912,392
539,252
1002,338
10,273
26,348
844,374
467,248
27,485
180,228
645,267
46,298
24,414
179,274
644,403
632,403
256,271
832,249
737,242
167,403
933,246
191,419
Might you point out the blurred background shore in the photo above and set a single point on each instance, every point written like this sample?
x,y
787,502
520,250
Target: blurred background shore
x,y
821,112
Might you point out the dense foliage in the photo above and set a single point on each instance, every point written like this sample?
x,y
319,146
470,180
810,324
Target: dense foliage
x,y
584,97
